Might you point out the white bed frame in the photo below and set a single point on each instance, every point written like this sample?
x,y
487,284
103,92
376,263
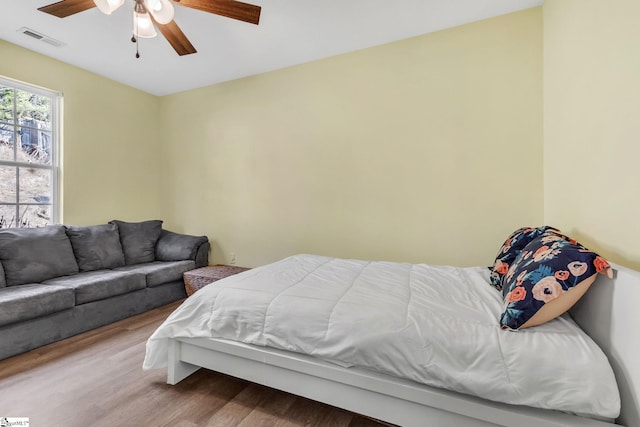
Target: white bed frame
x,y
607,313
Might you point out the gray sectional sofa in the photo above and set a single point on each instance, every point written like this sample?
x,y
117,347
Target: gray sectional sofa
x,y
58,281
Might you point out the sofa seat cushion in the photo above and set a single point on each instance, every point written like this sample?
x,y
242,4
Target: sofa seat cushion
x,y
159,272
98,285
24,302
32,255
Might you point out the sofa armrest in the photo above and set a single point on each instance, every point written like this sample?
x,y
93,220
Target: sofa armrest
x,y
178,247
202,256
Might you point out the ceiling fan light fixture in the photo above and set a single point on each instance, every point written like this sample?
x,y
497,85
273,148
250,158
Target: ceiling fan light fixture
x,y
108,6
150,15
161,10
142,25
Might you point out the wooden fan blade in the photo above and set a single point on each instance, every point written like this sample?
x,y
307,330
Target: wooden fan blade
x,y
230,8
66,8
175,37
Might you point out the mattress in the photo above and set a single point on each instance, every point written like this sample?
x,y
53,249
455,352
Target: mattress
x,y
436,325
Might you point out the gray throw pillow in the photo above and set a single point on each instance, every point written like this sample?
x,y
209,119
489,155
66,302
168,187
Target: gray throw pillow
x,y
96,247
32,255
139,240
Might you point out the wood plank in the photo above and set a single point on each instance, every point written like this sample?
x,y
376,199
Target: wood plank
x,y
176,38
230,8
96,379
237,409
65,8
269,412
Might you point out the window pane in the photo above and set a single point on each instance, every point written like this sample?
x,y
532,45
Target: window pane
x,y
6,104
28,169
35,185
7,216
6,142
35,216
33,110
34,146
8,184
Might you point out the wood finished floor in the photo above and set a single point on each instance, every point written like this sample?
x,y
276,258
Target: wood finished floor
x,y
96,379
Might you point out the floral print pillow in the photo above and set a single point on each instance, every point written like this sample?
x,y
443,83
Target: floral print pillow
x,y
510,250
547,267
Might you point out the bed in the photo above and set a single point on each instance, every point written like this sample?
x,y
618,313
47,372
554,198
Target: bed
x,y
242,343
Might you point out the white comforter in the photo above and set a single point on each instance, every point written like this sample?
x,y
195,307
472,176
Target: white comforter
x,y
433,324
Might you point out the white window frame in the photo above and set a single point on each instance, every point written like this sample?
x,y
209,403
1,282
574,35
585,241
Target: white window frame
x,y
56,141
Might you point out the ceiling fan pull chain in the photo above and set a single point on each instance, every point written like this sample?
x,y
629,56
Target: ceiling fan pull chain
x,y
134,38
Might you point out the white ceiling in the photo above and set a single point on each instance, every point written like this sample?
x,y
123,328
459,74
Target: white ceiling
x,y
290,32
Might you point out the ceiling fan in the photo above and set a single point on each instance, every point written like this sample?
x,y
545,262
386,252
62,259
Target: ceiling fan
x,y
148,14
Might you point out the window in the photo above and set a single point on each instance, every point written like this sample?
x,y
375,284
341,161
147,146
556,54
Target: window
x,y
29,129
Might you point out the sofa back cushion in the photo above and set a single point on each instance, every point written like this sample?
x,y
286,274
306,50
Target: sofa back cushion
x,y
139,240
3,283
96,247
31,255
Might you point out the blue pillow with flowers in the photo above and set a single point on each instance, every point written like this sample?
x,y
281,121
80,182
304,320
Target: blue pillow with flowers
x,y
510,250
547,277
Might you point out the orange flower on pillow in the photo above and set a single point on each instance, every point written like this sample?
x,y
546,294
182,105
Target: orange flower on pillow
x,y
501,267
577,268
547,289
517,294
600,264
542,253
562,275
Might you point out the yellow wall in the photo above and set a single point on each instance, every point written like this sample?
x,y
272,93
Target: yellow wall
x,y
111,136
591,124
424,150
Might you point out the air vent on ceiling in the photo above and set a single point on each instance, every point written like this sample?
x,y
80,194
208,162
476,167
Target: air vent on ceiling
x,y
39,36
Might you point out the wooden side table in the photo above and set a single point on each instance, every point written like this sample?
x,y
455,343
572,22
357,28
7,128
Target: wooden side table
x,y
201,277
